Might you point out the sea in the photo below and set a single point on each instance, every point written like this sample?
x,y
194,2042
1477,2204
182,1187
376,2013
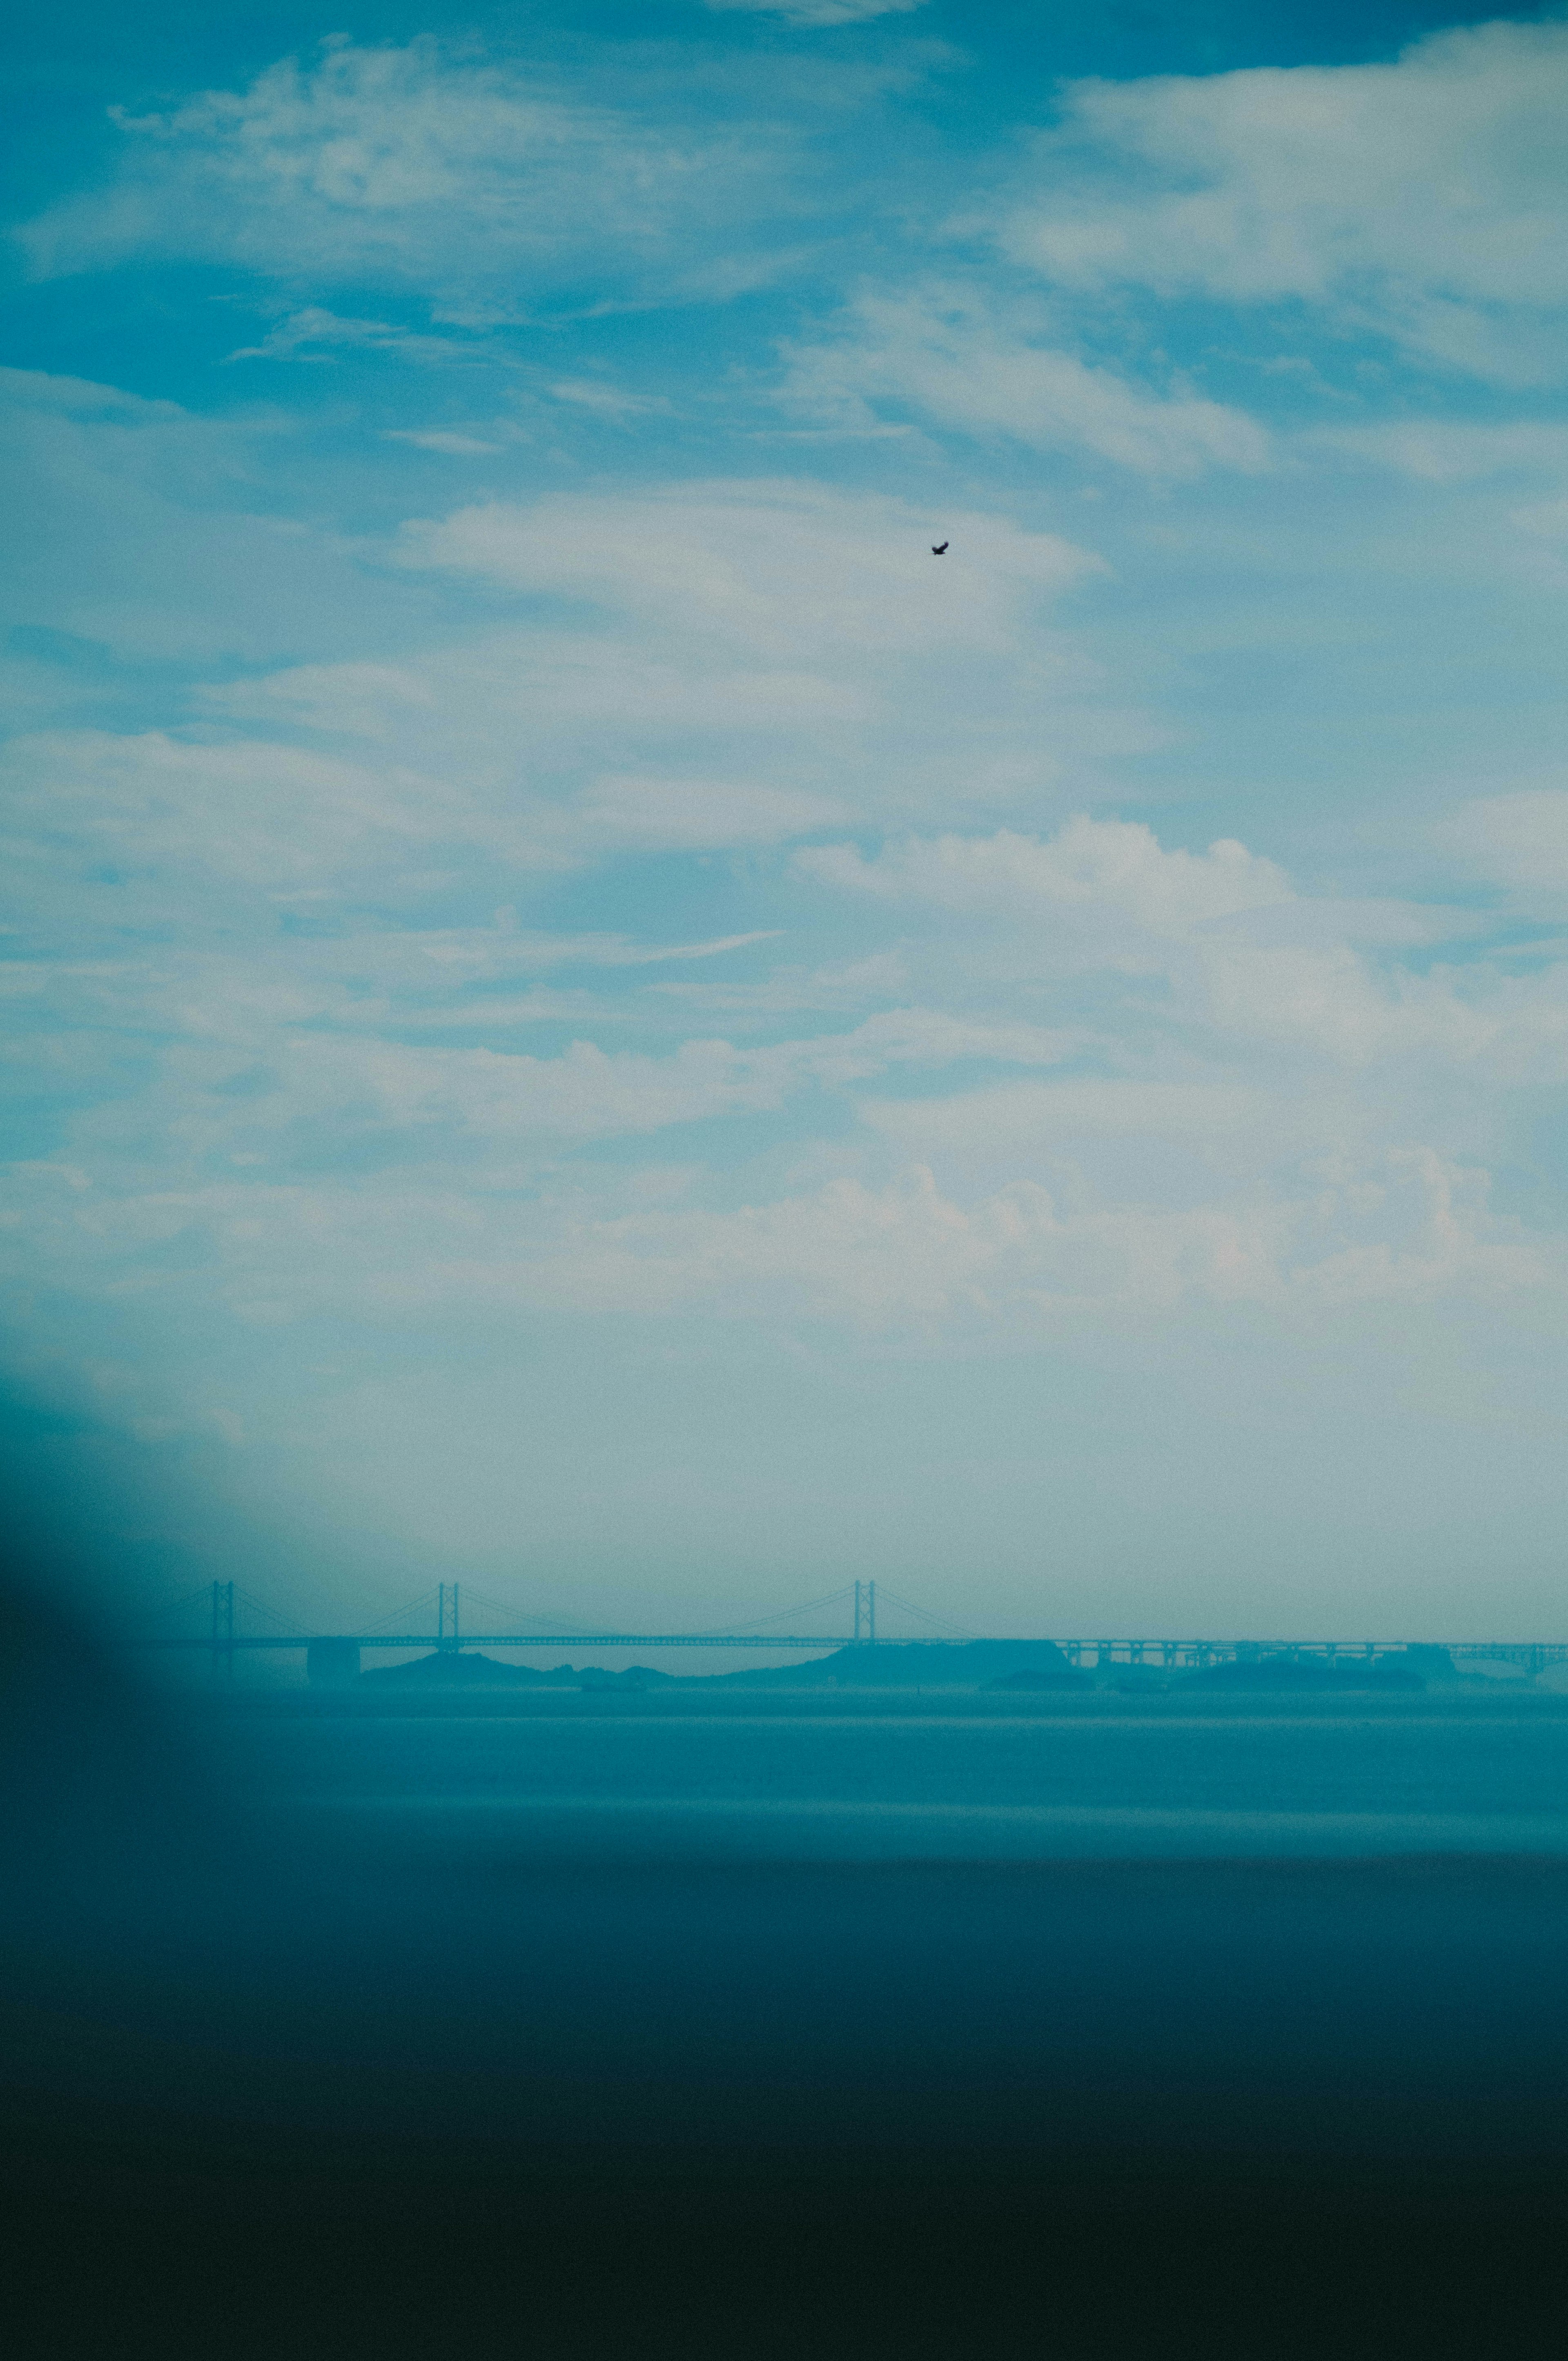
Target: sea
x,y
1479,1771
1091,1927
877,2022
1107,1922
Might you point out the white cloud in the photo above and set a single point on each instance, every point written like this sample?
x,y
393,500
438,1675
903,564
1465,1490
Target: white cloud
x,y
689,661
586,1093
951,357
1328,999
1425,198
414,167
1239,957
817,14
1116,866
1452,450
260,816
438,438
315,332
928,1036
602,400
1404,1226
786,570
744,650
283,819
654,814
80,398
1519,840
775,638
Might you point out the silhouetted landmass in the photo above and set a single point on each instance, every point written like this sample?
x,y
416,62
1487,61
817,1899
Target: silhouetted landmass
x,y
1286,1672
1041,1677
971,1664
448,1669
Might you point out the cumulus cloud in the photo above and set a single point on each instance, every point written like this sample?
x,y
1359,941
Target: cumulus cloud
x,y
1110,865
1240,956
1331,999
1404,1226
951,357
1426,199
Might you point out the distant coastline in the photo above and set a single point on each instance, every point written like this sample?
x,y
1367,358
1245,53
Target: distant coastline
x,y
1019,1667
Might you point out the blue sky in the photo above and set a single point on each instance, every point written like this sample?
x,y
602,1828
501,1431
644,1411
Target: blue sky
x,y
584,1013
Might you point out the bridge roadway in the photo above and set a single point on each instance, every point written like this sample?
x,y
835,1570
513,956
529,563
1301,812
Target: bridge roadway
x,y
342,1649
1169,1655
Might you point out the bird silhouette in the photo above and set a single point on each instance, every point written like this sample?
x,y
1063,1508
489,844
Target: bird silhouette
x,y
938,549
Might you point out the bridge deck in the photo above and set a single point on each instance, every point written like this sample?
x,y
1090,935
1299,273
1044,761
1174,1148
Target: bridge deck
x,y
1154,1651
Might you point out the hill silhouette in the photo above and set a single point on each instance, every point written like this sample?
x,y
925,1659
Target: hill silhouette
x,y
449,1669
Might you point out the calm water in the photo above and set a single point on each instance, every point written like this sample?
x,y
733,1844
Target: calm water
x,y
959,1778
1103,1925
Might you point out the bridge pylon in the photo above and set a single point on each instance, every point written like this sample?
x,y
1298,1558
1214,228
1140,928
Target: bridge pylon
x,y
447,1638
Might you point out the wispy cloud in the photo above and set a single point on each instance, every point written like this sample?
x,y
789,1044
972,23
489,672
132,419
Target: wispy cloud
x,y
315,334
953,359
440,438
817,14
480,182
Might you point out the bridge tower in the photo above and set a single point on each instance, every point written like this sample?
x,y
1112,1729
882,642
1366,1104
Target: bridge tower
x,y
865,1613
446,1612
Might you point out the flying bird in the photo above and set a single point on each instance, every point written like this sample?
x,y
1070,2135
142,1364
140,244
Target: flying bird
x,y
938,549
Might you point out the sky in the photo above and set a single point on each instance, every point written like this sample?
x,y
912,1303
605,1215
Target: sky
x,y
584,1013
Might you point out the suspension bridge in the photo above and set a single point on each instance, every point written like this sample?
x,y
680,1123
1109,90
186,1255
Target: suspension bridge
x,y
225,1622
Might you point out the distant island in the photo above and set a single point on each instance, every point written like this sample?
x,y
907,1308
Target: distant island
x,y
995,1667
969,1664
